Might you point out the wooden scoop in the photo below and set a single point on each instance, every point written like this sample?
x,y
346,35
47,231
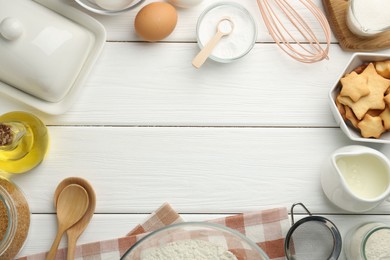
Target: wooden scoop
x,y
71,206
77,229
225,27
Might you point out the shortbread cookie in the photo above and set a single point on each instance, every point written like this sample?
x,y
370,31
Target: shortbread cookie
x,y
341,109
387,99
383,68
361,107
361,68
374,112
371,126
374,78
354,86
351,116
385,115
367,112
374,100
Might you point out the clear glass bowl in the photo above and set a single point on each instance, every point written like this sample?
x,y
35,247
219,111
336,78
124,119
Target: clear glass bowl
x,y
217,235
239,42
90,5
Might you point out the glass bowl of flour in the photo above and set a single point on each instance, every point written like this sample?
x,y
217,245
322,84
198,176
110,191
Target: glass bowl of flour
x,y
235,45
195,241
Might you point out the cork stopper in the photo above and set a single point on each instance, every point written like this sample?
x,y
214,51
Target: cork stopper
x,y
6,135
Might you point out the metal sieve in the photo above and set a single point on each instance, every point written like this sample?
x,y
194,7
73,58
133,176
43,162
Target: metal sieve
x,y
312,238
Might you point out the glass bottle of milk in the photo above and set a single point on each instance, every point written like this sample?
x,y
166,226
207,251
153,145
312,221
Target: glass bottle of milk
x,y
368,17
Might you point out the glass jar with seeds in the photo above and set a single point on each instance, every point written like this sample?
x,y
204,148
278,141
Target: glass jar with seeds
x,y
14,219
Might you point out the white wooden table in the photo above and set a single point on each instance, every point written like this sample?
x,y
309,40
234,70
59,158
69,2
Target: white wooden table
x,y
149,128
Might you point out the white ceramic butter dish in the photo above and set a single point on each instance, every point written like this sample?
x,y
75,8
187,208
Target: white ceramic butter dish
x,y
47,49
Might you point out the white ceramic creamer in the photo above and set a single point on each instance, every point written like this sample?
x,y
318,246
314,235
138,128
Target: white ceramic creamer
x,y
356,178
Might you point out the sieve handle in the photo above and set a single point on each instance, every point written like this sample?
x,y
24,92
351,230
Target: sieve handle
x,y
303,206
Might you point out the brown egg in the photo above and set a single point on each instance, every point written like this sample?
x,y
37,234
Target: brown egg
x,y
155,21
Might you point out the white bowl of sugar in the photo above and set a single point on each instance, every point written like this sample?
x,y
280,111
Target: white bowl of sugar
x,y
239,42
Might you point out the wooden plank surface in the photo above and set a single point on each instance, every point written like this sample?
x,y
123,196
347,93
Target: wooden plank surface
x,y
200,170
144,84
148,128
121,27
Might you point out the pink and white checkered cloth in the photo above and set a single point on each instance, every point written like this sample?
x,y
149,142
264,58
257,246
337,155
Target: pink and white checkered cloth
x,y
267,228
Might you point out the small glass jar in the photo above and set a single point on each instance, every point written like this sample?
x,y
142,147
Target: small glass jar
x,y
14,219
239,42
368,241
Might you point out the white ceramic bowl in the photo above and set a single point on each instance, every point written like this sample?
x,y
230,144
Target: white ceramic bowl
x,y
356,60
91,5
185,3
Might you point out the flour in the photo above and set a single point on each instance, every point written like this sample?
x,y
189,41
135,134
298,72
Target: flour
x,y
372,238
378,245
189,249
239,41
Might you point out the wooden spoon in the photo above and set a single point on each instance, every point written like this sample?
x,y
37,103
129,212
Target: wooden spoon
x,y
225,27
71,206
77,229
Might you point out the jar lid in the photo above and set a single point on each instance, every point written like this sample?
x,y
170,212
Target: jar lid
x,y
46,49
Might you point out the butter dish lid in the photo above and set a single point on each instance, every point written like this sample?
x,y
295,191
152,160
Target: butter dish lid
x,y
47,49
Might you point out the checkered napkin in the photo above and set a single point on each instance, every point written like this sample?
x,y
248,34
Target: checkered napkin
x,y
267,228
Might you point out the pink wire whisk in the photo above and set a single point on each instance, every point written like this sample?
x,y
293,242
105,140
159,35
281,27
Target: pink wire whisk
x,y
282,19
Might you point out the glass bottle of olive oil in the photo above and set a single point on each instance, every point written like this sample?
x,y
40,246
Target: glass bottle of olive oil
x,y
24,141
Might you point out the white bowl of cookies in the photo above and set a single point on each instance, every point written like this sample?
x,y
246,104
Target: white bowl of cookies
x,y
360,99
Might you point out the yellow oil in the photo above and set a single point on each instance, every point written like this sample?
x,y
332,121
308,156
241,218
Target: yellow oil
x,y
30,150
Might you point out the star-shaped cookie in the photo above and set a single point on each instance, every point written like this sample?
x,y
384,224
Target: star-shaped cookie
x,y
385,115
351,116
354,86
340,108
387,99
374,100
371,126
383,68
